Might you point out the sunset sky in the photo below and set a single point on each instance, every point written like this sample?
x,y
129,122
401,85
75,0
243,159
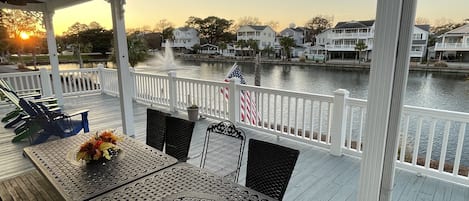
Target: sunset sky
x,y
148,12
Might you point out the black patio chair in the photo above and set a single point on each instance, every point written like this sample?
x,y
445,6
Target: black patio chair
x,y
156,127
223,150
178,137
269,167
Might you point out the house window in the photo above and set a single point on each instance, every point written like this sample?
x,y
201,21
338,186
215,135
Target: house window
x,y
417,36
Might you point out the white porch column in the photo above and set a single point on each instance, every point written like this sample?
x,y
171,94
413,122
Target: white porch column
x,y
53,56
122,61
388,77
339,123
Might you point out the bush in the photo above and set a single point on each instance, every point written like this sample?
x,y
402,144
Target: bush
x,y
441,64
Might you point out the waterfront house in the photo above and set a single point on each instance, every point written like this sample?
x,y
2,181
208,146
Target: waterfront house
x,y
297,33
185,38
263,35
454,45
340,41
209,49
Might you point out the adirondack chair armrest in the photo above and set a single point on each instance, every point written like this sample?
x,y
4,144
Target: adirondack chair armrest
x,y
35,96
53,106
44,100
78,113
26,117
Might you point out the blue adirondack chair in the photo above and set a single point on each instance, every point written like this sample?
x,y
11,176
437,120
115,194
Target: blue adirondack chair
x,y
54,123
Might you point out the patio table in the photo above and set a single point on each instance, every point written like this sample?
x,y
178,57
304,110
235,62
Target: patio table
x,y
77,180
183,182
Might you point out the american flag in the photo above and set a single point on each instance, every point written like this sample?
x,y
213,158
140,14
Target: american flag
x,y
248,106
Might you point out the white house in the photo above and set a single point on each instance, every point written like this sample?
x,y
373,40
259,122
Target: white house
x,y
454,44
297,33
419,42
185,37
263,35
341,40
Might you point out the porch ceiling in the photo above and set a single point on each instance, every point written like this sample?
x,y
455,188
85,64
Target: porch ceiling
x,y
39,5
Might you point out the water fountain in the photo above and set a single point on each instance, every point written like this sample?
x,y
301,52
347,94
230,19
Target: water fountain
x,y
164,62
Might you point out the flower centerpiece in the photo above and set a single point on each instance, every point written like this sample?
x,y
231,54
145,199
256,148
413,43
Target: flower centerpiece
x,y
100,146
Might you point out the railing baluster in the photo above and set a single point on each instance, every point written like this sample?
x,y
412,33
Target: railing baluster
x,y
295,129
444,147
404,139
417,142
329,122
275,113
311,131
320,122
303,130
360,133
457,159
282,123
430,144
268,111
350,118
288,116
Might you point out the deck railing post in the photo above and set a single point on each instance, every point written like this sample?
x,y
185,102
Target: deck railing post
x,y
172,91
339,119
101,77
45,82
234,100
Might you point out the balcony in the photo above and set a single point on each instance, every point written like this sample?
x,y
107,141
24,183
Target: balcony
x,y
361,35
344,48
417,54
452,47
302,121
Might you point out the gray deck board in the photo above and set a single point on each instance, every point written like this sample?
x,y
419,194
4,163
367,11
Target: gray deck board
x,y
317,175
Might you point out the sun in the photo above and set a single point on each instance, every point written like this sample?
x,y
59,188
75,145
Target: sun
x,y
24,36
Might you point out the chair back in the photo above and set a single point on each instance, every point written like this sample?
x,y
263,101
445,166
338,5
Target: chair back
x,y
223,150
156,126
178,137
269,167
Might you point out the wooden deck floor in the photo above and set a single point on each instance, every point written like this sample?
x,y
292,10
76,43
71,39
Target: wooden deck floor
x,y
317,175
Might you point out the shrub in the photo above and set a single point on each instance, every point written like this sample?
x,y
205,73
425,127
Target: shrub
x,y
440,64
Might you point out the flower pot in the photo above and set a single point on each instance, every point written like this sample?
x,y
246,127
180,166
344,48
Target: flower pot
x,y
193,113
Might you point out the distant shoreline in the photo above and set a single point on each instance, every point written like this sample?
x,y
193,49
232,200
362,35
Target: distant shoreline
x,y
329,65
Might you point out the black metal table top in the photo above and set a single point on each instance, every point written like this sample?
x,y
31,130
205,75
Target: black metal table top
x,y
77,180
183,182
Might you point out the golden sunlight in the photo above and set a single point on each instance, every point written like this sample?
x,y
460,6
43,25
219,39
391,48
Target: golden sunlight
x,y
24,36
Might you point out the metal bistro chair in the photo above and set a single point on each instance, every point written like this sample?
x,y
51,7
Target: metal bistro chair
x,y
156,128
178,137
223,150
269,167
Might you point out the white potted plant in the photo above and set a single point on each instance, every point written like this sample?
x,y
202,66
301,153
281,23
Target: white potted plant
x,y
192,110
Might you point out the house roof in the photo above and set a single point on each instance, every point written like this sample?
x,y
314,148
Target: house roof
x,y
424,27
460,30
256,27
184,28
354,24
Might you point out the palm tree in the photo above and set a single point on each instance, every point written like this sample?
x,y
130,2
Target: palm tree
x,y
252,44
287,43
359,47
241,44
268,51
223,46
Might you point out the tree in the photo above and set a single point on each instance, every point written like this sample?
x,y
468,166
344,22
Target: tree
x,y
99,39
72,38
421,20
273,24
287,43
18,21
162,25
241,44
269,50
223,46
317,25
243,21
211,28
167,33
359,47
196,48
137,48
252,44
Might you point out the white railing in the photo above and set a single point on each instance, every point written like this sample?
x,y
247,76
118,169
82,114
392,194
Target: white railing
x,y
150,88
81,81
108,81
451,46
24,81
300,116
351,35
432,142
